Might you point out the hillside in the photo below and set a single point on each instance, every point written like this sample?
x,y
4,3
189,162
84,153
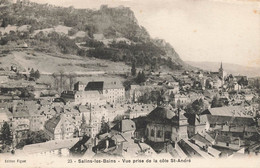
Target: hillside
x,y
230,68
108,33
50,63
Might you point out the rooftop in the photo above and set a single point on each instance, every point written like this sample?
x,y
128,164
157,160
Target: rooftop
x,y
236,111
51,124
97,85
49,146
230,120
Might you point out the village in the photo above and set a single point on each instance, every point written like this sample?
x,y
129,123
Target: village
x,y
182,114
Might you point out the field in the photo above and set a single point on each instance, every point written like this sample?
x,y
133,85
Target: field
x,y
54,63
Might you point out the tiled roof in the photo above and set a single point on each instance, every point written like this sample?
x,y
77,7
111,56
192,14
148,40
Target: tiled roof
x,y
97,85
237,111
80,83
227,119
81,146
51,124
125,126
188,150
164,115
226,139
161,113
200,138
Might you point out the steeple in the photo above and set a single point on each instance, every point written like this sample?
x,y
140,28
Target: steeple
x,y
221,67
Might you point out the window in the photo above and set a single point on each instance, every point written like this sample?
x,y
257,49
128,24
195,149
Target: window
x,y
227,144
159,134
167,135
152,133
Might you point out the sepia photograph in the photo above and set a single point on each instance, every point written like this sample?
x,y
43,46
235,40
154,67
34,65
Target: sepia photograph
x,y
128,83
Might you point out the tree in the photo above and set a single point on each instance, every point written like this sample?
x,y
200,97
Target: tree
x,y
60,81
6,135
4,41
197,107
37,74
243,82
32,137
140,77
216,102
133,69
32,73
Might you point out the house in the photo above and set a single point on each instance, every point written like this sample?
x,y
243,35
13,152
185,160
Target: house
x,y
113,91
79,86
21,120
61,127
164,124
205,144
116,112
181,99
91,121
84,97
191,150
89,97
217,82
138,110
125,126
37,116
234,86
83,147
210,93
229,121
196,125
231,111
172,87
137,91
119,143
229,142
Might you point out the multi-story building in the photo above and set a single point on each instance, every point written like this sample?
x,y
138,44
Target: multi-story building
x,y
165,124
113,91
61,127
181,99
233,121
84,97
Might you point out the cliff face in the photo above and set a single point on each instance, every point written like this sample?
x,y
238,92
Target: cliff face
x,y
120,37
170,52
120,19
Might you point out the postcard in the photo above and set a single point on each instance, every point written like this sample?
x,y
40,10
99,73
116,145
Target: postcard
x,y
127,83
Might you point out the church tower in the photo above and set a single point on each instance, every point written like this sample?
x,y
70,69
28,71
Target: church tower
x,y
221,73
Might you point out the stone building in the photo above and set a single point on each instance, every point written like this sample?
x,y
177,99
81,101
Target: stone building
x,y
166,124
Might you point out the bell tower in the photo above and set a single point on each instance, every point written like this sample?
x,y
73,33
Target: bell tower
x,y
221,71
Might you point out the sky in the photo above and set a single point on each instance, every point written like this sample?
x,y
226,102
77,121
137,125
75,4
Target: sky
x,y
199,30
